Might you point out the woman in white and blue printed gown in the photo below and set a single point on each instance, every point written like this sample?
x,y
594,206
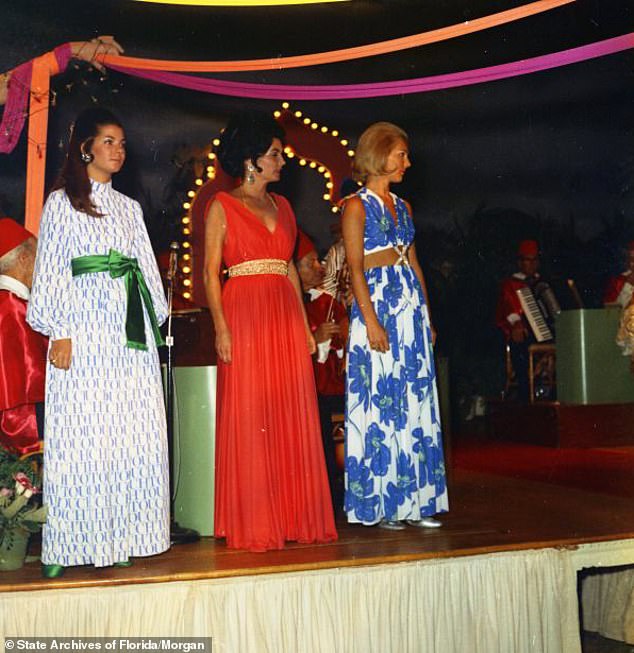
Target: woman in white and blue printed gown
x,y
106,480
394,463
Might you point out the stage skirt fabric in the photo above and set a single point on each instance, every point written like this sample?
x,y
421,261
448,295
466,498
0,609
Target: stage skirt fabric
x,y
106,480
271,481
519,602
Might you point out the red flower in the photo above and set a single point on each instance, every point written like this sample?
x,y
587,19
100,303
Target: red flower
x,y
22,479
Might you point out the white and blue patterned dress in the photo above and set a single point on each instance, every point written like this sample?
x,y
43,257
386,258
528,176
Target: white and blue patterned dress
x,y
106,480
394,463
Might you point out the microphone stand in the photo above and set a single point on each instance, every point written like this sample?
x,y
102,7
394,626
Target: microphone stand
x,y
178,534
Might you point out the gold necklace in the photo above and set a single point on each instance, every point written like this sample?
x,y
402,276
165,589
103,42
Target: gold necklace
x,y
244,200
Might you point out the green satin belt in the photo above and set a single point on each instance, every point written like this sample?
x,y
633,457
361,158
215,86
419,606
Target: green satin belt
x,y
137,291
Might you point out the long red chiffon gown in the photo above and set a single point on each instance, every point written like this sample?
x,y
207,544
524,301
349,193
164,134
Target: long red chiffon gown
x,y
271,481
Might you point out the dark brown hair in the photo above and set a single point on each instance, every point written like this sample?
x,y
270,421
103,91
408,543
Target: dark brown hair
x,y
73,177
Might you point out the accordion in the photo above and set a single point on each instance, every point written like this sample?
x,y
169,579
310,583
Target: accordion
x,y
534,315
541,306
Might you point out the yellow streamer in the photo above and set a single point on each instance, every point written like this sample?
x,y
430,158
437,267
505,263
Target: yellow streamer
x,y
334,56
238,3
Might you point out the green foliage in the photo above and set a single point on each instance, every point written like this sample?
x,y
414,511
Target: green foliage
x,y
20,504
11,464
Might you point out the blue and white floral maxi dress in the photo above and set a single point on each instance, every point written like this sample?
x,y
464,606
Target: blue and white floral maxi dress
x,y
394,463
106,480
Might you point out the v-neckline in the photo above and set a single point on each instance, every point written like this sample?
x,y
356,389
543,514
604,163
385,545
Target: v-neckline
x,y
393,216
256,216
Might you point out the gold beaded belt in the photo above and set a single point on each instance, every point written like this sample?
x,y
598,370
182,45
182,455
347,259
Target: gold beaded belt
x,y
259,266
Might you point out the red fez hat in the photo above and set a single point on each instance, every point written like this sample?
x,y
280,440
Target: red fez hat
x,y
528,248
11,235
304,245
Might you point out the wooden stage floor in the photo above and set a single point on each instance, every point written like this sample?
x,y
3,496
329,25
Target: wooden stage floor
x,y
488,514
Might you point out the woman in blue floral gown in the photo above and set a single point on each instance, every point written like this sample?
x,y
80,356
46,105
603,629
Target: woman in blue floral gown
x,y
394,463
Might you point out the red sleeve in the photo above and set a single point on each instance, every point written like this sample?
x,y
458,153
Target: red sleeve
x,y
317,310
329,375
18,429
22,355
508,303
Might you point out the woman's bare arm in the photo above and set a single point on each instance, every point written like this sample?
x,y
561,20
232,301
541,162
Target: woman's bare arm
x,y
215,230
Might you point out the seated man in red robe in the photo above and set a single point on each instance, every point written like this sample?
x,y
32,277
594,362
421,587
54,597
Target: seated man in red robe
x,y
22,350
620,288
328,321
509,315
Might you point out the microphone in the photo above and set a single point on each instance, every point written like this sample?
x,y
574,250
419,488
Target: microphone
x,y
575,293
171,270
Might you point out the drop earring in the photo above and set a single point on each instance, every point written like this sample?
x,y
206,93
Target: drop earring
x,y
250,176
86,157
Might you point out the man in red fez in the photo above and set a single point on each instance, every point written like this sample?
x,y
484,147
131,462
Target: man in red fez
x,y
328,320
22,350
620,288
509,315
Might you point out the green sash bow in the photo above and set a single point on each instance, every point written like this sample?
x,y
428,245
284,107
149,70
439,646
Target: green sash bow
x,y
119,265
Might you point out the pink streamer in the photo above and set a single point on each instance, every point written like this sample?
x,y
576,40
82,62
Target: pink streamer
x,y
15,109
382,89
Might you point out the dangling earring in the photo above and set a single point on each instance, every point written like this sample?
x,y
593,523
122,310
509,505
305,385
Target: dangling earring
x,y
250,177
86,157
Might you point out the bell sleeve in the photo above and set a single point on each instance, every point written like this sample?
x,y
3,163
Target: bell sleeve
x,y
50,305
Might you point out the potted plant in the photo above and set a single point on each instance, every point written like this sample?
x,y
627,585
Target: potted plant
x,y
21,512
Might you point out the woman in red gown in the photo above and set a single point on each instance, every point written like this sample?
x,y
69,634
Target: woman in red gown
x,y
271,481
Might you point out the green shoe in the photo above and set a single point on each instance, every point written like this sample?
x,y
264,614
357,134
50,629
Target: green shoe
x,y
123,563
52,571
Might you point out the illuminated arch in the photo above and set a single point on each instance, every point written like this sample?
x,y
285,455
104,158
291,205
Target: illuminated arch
x,y
313,145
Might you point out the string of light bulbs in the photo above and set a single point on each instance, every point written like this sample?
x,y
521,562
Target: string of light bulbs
x,y
304,160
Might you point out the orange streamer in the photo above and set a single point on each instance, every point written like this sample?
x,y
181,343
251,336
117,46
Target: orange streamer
x,y
334,56
46,65
43,68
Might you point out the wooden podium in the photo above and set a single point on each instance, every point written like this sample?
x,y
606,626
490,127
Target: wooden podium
x,y
194,420
194,447
590,366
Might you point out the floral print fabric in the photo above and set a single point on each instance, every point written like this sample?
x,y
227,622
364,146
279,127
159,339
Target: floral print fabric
x,y
394,459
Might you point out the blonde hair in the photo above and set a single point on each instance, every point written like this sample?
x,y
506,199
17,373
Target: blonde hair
x,y
375,145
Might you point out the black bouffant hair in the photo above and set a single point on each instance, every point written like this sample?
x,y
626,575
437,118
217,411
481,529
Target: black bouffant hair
x,y
247,137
